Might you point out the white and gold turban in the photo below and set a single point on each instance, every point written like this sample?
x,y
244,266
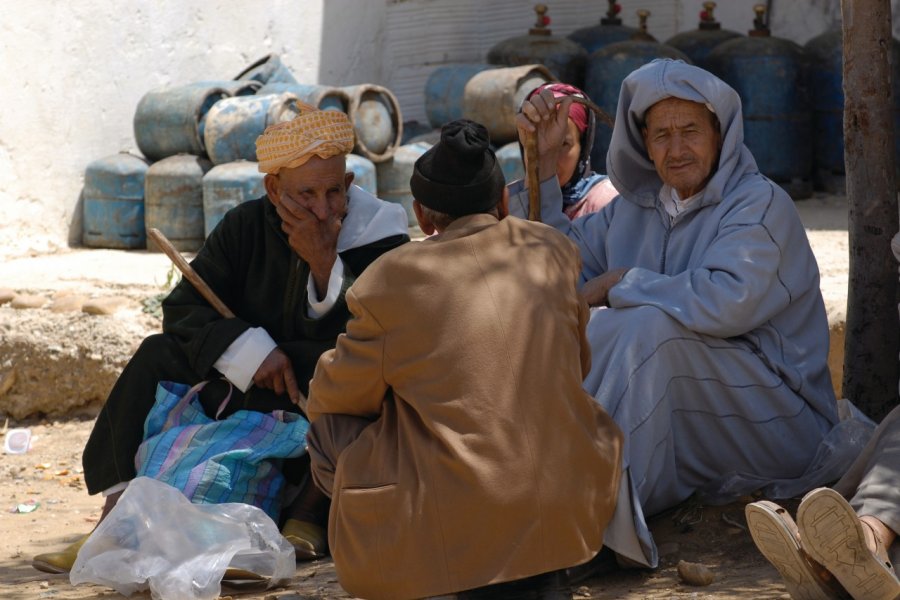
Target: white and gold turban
x,y
313,132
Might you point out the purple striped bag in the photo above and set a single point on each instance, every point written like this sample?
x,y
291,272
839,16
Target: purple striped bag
x,y
235,459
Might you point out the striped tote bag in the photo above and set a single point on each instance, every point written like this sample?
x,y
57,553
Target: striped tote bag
x,y
235,459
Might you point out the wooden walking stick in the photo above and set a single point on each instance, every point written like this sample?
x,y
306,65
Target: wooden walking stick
x,y
532,176
532,172
188,271
191,275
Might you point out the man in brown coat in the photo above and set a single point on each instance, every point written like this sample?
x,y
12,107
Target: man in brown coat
x,y
449,425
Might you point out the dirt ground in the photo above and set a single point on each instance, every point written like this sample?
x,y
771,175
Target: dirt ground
x,y
54,351
49,476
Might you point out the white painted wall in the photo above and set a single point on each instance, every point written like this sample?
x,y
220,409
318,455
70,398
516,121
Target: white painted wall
x,y
73,72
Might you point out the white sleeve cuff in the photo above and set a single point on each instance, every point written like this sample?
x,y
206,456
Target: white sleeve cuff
x,y
119,487
242,358
318,308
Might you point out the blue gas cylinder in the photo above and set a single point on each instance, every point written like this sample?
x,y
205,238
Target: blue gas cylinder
x,y
268,69
445,89
227,185
487,94
826,59
173,200
233,124
171,120
609,31
769,74
607,69
325,97
394,174
364,174
826,77
563,58
113,202
432,136
510,158
245,87
377,120
414,129
699,43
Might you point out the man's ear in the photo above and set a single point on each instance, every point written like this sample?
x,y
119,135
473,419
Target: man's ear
x,y
348,179
273,189
425,223
503,205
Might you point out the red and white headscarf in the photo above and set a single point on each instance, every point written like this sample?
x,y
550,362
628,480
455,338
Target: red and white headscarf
x,y
578,112
584,120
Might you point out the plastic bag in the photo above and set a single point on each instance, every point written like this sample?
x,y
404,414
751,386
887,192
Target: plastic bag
x,y
155,538
836,452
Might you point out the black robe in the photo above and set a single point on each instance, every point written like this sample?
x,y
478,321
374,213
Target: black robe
x,y
247,261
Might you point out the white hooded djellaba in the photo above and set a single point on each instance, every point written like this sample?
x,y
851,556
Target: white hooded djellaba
x,y
712,355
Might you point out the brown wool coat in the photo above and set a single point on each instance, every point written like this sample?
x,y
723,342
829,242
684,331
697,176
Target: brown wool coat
x,y
487,462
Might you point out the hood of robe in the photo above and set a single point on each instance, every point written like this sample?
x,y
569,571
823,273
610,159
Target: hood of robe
x,y
369,220
627,163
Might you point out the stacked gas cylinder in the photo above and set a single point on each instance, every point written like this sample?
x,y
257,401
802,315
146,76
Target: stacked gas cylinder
x,y
199,150
595,58
492,92
791,95
769,74
486,93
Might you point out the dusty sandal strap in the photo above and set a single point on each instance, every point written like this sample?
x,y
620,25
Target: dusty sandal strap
x,y
775,534
881,552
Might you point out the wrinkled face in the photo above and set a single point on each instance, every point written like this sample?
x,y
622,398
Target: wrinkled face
x,y
319,186
569,154
683,141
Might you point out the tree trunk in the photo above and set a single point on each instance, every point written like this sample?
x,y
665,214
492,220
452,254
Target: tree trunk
x,y
873,331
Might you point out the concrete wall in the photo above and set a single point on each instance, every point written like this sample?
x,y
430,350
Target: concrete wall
x,y
73,72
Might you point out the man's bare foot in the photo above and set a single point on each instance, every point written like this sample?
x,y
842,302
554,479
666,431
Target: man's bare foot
x,y
109,504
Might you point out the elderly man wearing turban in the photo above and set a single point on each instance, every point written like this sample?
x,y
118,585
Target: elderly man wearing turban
x,y
459,449
282,264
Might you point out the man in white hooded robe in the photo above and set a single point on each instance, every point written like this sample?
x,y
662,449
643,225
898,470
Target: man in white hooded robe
x,y
710,349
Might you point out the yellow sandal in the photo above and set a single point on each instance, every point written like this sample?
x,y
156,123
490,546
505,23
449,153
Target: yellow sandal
x,y
59,562
310,541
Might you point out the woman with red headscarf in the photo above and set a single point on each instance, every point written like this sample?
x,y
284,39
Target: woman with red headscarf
x,y
583,191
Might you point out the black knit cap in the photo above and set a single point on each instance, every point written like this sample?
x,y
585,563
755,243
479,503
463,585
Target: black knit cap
x,y
460,174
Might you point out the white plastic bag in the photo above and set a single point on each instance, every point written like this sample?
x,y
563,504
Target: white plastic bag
x,y
155,538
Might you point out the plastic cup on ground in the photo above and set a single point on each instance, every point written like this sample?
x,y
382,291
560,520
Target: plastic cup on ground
x,y
17,441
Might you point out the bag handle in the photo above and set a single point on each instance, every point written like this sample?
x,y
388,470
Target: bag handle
x,y
225,401
195,389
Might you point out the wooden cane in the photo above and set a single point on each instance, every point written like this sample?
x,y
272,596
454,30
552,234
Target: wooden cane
x,y
188,271
532,172
191,275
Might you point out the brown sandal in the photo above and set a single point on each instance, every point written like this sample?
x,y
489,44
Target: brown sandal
x,y
833,535
775,534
